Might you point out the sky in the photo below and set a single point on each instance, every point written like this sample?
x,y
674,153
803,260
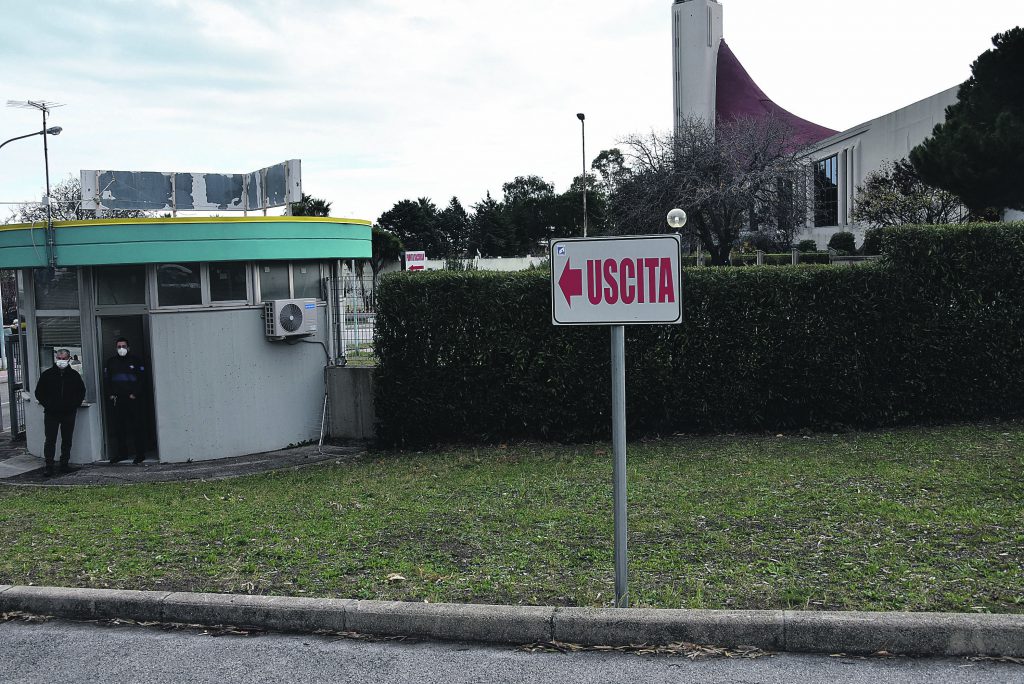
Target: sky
x,y
385,100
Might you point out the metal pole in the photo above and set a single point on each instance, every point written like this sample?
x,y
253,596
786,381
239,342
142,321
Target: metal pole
x,y
50,241
619,465
583,135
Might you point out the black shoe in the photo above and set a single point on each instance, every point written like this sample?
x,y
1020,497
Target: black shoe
x,y
139,459
48,471
64,469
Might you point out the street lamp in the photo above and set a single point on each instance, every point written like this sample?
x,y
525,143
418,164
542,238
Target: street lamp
x,y
676,218
44,107
52,130
583,134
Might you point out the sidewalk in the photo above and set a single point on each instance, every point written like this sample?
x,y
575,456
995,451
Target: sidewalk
x,y
18,467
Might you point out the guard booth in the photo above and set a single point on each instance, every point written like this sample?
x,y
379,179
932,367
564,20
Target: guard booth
x,y
233,317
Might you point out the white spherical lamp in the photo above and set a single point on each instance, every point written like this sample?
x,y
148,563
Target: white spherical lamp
x,y
676,218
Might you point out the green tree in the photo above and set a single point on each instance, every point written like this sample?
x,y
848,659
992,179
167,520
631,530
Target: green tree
x,y
977,153
528,205
567,218
895,195
311,206
610,167
491,233
416,225
453,226
386,248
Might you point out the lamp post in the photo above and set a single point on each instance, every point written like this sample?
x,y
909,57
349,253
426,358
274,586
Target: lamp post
x,y
44,107
583,135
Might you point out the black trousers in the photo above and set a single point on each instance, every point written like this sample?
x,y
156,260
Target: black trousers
x,y
128,418
65,423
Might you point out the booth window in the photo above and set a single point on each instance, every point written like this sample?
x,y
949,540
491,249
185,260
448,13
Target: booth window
x,y
179,285
273,281
60,332
298,280
306,279
57,320
56,288
120,285
227,282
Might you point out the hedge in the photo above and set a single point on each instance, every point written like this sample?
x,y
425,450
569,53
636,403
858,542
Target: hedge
x,y
932,332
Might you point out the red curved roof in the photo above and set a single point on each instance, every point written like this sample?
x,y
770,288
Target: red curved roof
x,y
739,97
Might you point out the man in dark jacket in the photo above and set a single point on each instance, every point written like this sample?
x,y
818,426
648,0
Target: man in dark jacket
x,y
124,377
60,392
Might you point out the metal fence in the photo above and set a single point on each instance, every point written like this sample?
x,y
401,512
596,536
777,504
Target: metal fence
x,y
355,299
16,381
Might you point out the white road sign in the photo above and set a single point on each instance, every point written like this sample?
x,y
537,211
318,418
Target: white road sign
x,y
616,281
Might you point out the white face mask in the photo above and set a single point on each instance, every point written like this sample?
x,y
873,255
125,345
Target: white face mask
x,y
62,363
122,351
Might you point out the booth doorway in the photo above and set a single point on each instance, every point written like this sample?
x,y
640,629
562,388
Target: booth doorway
x,y
135,329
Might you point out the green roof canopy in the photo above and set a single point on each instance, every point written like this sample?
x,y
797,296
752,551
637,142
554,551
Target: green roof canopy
x,y
147,241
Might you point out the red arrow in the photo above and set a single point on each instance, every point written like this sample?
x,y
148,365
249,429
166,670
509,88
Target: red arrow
x,y
571,282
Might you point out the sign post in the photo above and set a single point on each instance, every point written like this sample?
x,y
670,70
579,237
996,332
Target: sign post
x,y
617,282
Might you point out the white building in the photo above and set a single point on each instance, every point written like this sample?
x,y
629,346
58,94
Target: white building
x,y
710,83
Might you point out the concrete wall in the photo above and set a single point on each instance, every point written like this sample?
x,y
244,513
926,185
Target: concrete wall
x,y
479,263
350,391
222,389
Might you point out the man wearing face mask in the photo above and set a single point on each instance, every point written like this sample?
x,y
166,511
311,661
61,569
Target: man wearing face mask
x,y
60,392
124,377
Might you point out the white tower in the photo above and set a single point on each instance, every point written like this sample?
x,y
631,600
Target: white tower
x,y
696,33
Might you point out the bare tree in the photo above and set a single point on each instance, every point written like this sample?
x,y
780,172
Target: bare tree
x,y
742,176
66,205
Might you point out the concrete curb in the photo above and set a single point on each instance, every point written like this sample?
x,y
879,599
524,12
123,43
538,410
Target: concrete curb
x,y
922,634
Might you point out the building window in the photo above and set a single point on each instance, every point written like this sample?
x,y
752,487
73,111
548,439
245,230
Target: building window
x,y
274,281
826,192
298,280
179,285
56,288
306,279
228,282
120,285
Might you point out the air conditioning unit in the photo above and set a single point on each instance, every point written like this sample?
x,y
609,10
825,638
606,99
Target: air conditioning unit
x,y
290,318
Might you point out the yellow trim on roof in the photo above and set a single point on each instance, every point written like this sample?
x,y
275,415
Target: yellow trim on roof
x,y
188,219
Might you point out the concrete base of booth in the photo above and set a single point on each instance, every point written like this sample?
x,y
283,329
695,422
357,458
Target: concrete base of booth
x,y
350,401
87,446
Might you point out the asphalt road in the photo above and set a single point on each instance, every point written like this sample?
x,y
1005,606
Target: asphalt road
x,y
59,651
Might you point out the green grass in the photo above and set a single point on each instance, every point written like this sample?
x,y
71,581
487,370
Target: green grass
x,y
917,519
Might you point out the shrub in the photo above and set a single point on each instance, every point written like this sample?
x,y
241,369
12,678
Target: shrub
x,y
843,242
807,246
872,242
931,332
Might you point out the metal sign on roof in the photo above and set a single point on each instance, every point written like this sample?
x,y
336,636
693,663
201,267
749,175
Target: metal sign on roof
x,y
273,186
616,281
